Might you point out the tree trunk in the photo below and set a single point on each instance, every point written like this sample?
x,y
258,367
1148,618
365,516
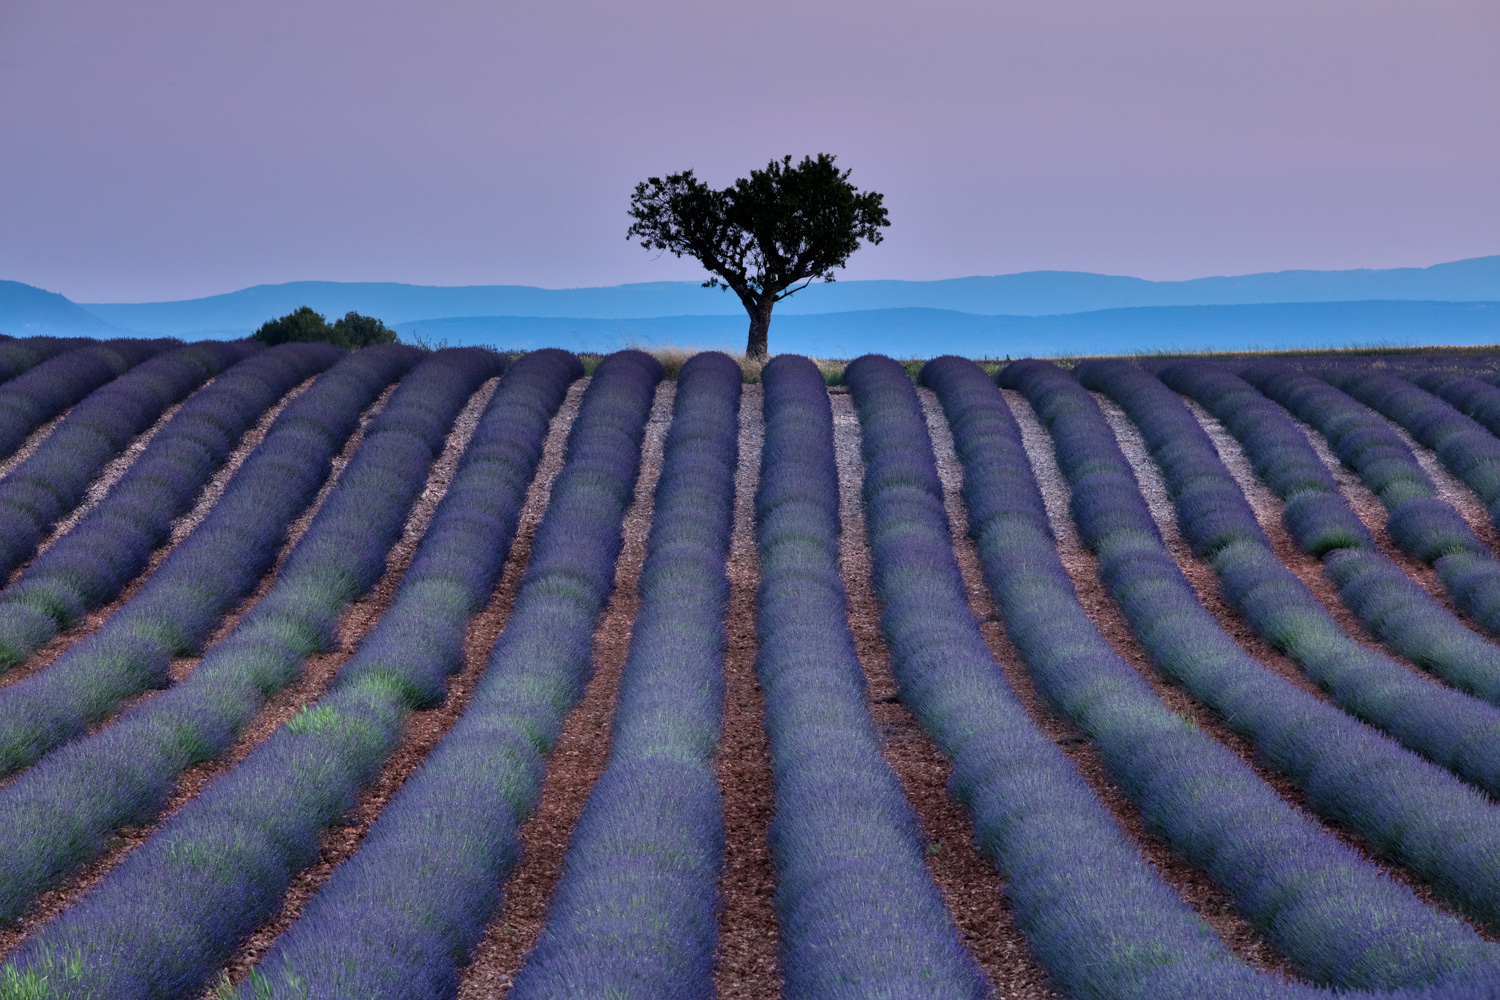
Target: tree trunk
x,y
760,327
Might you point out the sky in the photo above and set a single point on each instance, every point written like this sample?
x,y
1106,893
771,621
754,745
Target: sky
x,y
158,149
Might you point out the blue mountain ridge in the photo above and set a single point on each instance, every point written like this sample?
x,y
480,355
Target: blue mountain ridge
x,y
1035,293
27,311
925,333
1036,313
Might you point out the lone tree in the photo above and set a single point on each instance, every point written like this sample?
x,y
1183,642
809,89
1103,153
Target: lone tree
x,y
763,234
306,324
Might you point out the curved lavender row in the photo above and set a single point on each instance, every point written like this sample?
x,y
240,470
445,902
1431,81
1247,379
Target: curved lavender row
x,y
635,913
44,391
205,575
1465,448
19,355
858,911
62,812
94,561
1404,806
53,480
1446,726
1389,603
1475,399
1313,897
1422,525
1095,912
1116,931
400,916
173,909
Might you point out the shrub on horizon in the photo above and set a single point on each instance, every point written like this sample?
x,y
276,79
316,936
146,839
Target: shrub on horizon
x,y
306,325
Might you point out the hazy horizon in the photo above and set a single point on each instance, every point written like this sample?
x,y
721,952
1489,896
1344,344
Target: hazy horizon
x,y
721,291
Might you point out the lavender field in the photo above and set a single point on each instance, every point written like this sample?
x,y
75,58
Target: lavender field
x,y
433,674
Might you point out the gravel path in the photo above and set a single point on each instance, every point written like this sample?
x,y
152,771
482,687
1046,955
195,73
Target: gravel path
x,y
745,967
32,442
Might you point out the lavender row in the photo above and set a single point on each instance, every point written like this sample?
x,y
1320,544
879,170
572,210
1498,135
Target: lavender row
x,y
859,914
1095,912
1465,448
53,479
62,812
204,576
92,563
164,918
1477,400
401,916
635,913
1405,807
1312,896
19,355
1422,525
49,388
1387,601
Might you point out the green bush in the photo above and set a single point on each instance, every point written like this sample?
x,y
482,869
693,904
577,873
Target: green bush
x,y
306,324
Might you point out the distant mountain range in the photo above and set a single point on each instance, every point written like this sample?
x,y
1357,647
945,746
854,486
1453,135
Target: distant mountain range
x,y
1037,312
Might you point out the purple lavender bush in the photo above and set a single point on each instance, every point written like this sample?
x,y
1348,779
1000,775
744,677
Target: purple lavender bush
x,y
19,355
858,911
50,387
94,561
169,914
1188,643
1322,523
1116,931
204,577
53,479
400,917
63,811
1421,524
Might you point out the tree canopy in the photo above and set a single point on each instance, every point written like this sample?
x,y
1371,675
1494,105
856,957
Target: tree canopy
x,y
306,324
764,233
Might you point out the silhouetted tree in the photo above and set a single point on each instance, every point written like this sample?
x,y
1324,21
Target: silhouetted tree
x,y
763,234
353,331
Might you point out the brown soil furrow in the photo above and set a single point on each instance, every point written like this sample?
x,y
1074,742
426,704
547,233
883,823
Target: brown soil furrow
x,y
1082,568
114,470
94,620
582,751
1308,568
746,966
32,442
971,887
318,672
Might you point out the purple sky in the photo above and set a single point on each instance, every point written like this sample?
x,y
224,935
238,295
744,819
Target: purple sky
x,y
157,149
